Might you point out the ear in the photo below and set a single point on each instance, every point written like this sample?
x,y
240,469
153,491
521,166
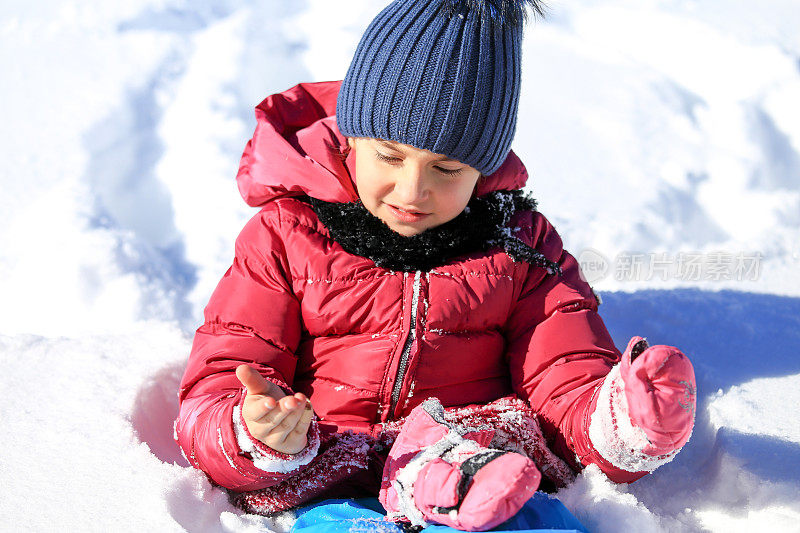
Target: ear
x,y
351,142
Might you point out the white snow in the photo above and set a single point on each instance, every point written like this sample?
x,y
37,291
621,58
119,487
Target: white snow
x,y
663,140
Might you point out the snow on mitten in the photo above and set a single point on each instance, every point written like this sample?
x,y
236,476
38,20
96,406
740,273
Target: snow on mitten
x,y
645,408
439,472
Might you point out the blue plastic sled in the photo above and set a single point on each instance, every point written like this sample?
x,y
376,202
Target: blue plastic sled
x,y
541,514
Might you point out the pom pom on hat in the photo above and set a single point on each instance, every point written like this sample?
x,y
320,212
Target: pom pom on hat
x,y
513,12
440,75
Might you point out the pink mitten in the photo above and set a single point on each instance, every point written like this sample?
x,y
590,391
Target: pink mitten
x,y
645,408
443,473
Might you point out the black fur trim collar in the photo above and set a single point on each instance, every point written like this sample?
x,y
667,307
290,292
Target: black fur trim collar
x,y
481,226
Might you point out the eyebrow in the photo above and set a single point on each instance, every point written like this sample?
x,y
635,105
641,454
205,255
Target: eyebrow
x,y
394,145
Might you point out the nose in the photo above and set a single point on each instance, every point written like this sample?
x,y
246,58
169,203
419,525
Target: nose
x,y
410,187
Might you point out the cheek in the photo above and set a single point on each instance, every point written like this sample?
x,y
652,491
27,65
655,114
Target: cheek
x,y
370,183
458,194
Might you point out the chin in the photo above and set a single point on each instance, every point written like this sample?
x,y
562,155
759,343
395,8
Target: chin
x,y
407,232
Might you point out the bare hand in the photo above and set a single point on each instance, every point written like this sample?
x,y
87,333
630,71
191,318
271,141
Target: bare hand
x,y
274,418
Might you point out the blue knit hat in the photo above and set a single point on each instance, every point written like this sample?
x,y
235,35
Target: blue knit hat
x,y
441,75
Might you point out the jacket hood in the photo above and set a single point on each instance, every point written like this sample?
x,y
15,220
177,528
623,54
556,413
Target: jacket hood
x,y
297,150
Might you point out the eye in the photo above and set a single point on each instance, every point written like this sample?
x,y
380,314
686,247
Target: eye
x,y
387,159
449,171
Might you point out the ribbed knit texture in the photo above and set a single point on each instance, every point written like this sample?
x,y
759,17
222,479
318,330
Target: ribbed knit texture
x,y
440,75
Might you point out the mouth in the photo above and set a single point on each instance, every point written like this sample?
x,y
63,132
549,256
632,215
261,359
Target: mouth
x,y
406,214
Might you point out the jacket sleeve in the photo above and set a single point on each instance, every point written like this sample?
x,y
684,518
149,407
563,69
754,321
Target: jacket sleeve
x,y
560,351
252,318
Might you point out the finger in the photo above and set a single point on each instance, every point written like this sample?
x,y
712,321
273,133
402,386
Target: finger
x,y
271,411
284,407
303,399
257,408
297,439
256,383
290,422
271,401
305,421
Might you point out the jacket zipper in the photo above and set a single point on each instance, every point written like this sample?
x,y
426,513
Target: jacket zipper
x,y
404,357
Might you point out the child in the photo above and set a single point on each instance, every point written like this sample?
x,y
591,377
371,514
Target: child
x,y
398,280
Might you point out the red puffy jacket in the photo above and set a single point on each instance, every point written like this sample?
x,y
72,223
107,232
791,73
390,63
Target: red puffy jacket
x,y
368,344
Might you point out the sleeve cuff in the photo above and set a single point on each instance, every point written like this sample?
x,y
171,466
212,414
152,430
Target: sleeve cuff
x,y
269,460
613,435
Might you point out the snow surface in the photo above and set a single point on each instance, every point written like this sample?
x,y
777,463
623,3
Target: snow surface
x,y
650,127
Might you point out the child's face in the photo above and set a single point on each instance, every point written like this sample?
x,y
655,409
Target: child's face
x,y
410,189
